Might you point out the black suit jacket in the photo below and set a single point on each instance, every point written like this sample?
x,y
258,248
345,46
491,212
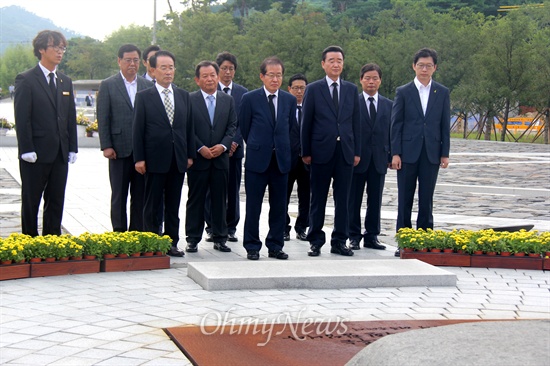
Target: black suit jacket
x,y
237,93
41,127
375,135
208,135
155,140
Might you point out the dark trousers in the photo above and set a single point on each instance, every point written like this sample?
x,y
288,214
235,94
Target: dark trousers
x,y
321,175
233,200
426,174
50,180
255,185
200,182
123,176
300,175
167,187
374,182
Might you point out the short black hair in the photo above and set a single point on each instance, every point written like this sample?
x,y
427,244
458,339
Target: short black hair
x,y
425,52
295,77
273,60
153,59
128,48
226,56
148,50
43,38
371,67
206,64
332,49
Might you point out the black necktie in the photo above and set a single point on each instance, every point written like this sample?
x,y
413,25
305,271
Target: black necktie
x,y
335,95
272,106
299,114
52,86
226,90
372,109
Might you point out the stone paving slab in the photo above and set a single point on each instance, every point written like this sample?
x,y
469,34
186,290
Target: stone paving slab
x,y
327,274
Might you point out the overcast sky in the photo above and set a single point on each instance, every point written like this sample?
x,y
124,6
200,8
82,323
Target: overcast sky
x,y
96,18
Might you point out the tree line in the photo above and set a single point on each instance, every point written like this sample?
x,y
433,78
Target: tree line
x,y
492,63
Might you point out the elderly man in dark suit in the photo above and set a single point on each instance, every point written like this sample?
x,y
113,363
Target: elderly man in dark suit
x,y
330,145
45,118
228,66
420,140
115,106
215,121
164,146
266,117
375,111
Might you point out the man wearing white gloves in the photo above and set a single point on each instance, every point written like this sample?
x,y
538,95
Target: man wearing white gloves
x,y
45,119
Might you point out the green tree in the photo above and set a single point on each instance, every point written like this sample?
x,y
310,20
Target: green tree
x,y
15,60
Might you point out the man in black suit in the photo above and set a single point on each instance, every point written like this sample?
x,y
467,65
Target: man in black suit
x,y
45,118
266,116
420,139
298,173
164,146
375,111
228,66
147,53
215,121
330,145
115,106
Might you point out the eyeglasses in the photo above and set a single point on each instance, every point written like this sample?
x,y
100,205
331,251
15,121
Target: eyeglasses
x,y
131,60
58,48
425,66
296,88
167,68
369,78
225,69
273,76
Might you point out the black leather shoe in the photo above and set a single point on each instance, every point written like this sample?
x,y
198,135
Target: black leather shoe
x,y
279,254
341,249
301,235
354,245
398,253
286,237
232,237
209,237
222,247
314,251
373,244
174,252
191,248
253,255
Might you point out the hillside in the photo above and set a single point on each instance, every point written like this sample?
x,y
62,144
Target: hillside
x,y
19,26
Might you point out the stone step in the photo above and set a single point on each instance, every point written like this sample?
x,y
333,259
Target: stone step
x,y
321,274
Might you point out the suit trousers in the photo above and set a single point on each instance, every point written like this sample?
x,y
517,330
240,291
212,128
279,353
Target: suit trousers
x,y
374,183
255,185
321,175
123,176
426,174
49,179
200,181
233,200
167,187
299,174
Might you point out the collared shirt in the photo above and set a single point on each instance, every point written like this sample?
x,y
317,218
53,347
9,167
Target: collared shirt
x,y
47,73
146,76
131,88
268,93
230,86
330,88
160,88
423,92
367,101
298,114
206,95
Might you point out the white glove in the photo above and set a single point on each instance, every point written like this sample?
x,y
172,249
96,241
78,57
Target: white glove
x,y
29,157
72,157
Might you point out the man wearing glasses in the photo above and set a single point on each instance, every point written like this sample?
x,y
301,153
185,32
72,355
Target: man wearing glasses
x,y
267,116
45,117
420,140
115,106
